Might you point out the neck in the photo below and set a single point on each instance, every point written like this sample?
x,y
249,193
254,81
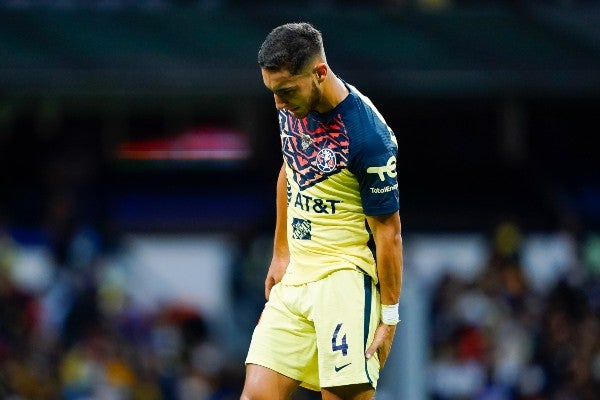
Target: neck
x,y
333,93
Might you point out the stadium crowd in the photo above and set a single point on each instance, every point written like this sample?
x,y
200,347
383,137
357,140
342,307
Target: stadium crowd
x,y
501,337
76,336
79,337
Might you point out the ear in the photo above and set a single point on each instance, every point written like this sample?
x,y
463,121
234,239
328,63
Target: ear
x,y
321,70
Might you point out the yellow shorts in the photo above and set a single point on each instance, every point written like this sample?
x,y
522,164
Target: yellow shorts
x,y
318,332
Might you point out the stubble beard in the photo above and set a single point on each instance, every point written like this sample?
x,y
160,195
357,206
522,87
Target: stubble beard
x,y
315,97
313,101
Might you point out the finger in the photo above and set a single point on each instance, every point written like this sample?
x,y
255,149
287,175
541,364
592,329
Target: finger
x,y
386,346
383,352
371,350
380,334
269,283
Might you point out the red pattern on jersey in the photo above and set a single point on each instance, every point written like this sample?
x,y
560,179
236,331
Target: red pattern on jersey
x,y
303,158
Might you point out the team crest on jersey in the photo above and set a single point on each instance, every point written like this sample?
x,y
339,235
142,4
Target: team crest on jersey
x,y
326,160
312,148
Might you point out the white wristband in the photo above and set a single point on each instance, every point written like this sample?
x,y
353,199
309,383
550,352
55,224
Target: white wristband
x,y
389,314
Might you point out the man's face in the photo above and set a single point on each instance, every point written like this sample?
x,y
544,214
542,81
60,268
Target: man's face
x,y
299,93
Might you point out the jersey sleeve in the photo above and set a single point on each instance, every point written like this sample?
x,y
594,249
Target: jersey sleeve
x,y
373,162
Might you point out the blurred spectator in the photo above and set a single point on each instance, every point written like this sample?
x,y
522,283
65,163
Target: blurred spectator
x,y
82,338
492,335
498,338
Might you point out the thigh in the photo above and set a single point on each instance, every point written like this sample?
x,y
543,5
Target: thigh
x,y
284,340
263,383
345,317
363,391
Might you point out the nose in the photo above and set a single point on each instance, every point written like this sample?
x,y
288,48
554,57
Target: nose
x,y
279,102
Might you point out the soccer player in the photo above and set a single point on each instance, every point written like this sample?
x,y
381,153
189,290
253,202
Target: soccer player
x,y
332,306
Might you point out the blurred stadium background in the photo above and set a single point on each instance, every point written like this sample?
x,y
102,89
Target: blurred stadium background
x,y
138,155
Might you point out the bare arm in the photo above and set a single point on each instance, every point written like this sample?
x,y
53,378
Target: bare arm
x,y
388,243
281,253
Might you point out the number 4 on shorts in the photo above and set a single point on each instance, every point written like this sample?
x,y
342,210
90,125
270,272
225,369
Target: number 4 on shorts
x,y
335,346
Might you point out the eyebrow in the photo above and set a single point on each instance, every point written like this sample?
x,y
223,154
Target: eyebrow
x,y
285,89
289,83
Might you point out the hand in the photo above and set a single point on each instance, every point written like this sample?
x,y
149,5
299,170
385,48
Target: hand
x,y
382,343
275,273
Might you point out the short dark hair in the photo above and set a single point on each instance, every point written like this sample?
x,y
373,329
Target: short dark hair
x,y
290,46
